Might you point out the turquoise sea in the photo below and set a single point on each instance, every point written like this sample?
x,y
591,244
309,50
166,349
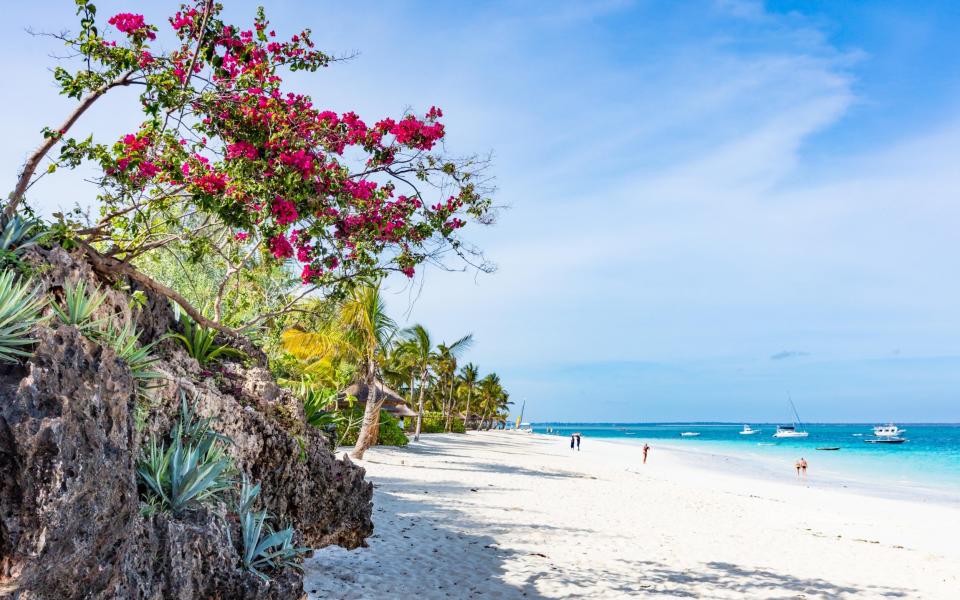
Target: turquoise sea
x,y
928,461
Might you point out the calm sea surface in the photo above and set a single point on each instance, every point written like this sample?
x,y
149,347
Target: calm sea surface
x,y
930,458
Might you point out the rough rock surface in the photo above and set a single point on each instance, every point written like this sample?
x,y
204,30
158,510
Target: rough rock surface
x,y
70,519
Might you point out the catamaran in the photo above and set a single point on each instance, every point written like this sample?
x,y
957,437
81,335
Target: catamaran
x,y
791,431
747,430
887,434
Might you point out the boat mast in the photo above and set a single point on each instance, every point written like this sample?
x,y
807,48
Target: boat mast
x,y
795,415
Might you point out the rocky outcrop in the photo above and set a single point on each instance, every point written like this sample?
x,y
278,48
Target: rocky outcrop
x,y
70,514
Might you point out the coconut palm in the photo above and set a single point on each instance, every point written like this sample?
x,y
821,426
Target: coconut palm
x,y
359,332
469,376
419,348
491,396
445,361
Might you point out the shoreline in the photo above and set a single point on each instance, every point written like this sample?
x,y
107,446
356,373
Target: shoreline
x,y
509,515
772,469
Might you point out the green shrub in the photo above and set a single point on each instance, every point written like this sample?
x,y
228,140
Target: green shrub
x,y
79,306
194,469
20,306
125,341
435,422
199,343
263,548
390,432
348,428
17,235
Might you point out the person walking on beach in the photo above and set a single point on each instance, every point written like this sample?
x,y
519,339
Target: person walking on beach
x,y
797,465
803,466
578,442
573,440
646,448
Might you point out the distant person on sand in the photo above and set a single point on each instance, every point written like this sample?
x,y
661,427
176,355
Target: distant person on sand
x,y
573,440
578,442
803,466
798,465
646,448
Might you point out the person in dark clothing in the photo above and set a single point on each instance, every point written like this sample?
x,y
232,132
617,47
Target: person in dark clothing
x,y
578,442
573,440
646,448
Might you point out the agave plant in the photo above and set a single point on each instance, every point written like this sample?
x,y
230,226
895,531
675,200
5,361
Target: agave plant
x,y
199,342
16,235
262,547
192,471
79,306
125,341
20,306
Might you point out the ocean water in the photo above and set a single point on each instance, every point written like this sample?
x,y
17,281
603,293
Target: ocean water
x,y
929,460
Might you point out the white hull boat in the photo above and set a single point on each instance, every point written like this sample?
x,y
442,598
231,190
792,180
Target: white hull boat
x,y
791,431
689,434
747,430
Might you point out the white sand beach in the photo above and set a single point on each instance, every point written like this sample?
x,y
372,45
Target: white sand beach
x,y
511,515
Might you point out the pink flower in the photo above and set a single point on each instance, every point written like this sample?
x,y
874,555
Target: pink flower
x,y
280,247
148,169
242,149
309,273
132,25
241,236
284,212
408,271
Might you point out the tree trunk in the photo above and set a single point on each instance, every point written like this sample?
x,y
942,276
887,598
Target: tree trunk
x,y
371,415
450,408
466,414
423,381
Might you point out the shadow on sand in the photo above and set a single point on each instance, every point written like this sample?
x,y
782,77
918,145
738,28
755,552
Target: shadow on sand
x,y
424,528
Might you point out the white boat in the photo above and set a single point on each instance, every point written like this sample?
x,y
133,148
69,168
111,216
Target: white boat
x,y
888,430
748,431
887,434
525,428
689,433
791,431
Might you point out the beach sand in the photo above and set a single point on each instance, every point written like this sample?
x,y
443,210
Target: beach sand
x,y
513,515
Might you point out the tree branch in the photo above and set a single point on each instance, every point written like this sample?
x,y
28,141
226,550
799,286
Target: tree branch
x,y
30,167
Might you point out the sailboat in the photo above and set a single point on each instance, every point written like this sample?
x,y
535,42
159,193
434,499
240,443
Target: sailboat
x,y
791,431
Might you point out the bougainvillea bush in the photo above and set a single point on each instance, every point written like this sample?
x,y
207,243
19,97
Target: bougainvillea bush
x,y
261,174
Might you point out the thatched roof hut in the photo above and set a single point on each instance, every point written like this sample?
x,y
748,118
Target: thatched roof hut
x,y
393,402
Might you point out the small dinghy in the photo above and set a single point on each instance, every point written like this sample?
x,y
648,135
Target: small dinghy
x,y
829,448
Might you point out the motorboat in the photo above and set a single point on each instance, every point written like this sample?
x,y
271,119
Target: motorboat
x,y
747,430
689,433
888,430
887,434
791,431
829,448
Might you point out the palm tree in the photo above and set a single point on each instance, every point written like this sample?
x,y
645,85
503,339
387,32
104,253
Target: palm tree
x,y
469,375
445,359
359,332
419,347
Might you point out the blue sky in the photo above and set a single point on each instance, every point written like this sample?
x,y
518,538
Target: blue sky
x,y
709,203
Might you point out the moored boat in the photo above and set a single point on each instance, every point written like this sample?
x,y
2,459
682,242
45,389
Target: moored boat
x,y
791,431
747,430
689,433
887,434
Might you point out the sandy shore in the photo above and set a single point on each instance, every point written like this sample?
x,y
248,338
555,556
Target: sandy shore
x,y
508,515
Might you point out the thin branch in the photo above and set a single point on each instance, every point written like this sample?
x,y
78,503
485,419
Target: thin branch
x,y
30,167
